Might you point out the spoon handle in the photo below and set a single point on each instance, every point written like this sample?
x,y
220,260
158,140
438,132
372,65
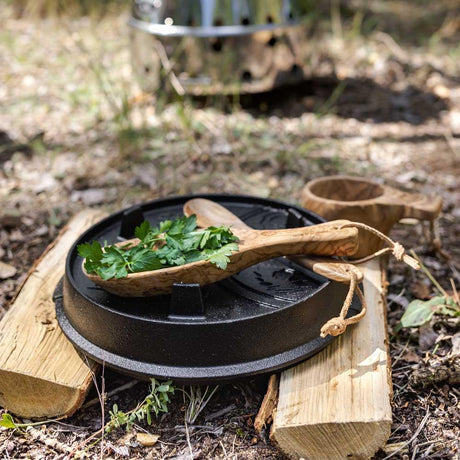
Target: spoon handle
x,y
211,213
319,240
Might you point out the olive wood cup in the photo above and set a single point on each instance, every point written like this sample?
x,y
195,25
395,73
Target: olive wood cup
x,y
361,200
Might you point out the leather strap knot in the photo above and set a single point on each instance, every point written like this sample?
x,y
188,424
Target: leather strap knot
x,y
338,325
395,248
399,252
335,327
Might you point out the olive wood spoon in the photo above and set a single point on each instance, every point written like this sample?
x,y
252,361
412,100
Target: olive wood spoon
x,y
254,246
210,213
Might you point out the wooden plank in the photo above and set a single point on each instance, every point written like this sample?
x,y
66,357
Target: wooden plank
x,y
337,404
41,374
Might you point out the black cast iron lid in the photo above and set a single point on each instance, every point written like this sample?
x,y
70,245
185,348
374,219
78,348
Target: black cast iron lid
x,y
261,320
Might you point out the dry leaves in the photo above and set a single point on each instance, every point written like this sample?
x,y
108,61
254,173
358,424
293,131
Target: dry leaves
x,y
147,439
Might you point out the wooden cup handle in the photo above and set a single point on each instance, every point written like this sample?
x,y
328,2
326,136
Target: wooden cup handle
x,y
414,205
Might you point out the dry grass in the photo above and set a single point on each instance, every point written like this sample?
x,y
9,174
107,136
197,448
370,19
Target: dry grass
x,y
56,8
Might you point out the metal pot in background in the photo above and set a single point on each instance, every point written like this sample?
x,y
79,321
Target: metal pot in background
x,y
220,46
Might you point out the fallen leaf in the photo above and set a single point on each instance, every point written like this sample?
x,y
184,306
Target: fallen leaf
x,y
16,235
456,345
122,451
411,357
6,271
10,218
47,182
419,312
147,439
427,337
441,91
420,290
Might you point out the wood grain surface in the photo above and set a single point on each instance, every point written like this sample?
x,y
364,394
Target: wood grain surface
x,y
336,405
361,200
41,374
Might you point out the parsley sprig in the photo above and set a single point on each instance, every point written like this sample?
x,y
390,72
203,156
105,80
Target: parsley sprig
x,y
172,243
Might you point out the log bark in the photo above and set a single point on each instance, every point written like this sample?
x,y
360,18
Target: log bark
x,y
268,406
41,374
336,405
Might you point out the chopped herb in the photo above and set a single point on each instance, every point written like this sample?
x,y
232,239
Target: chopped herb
x,y
172,243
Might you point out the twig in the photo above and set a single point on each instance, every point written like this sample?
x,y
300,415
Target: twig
x,y
219,413
101,400
389,41
52,443
223,448
187,436
429,275
103,407
398,358
417,432
448,136
394,299
84,443
265,414
115,391
165,62
455,292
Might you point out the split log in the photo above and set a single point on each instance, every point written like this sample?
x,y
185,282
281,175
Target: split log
x,y
336,405
41,374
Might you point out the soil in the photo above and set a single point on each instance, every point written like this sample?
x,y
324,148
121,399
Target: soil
x,y
383,102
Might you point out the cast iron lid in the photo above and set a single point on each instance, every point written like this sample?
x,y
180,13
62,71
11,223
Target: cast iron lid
x,y
261,320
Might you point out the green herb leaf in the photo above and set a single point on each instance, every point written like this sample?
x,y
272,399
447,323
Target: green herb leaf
x,y
173,243
7,421
190,224
92,253
220,257
145,260
155,402
143,230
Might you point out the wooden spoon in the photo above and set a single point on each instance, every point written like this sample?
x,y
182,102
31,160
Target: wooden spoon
x,y
210,213
254,246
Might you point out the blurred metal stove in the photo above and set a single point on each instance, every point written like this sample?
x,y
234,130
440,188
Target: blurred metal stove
x,y
219,46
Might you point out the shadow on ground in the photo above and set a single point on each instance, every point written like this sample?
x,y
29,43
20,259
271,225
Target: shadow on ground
x,y
359,98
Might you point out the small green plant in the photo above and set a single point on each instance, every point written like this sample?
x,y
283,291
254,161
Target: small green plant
x,y
328,106
7,422
198,397
155,403
419,312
